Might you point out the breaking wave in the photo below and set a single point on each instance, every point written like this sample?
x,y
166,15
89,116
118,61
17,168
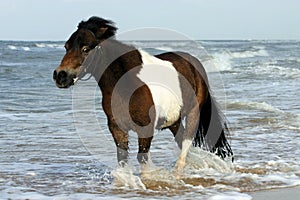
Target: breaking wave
x,y
24,48
263,106
259,52
50,45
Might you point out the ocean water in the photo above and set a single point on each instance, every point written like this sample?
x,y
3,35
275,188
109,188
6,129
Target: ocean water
x,y
54,143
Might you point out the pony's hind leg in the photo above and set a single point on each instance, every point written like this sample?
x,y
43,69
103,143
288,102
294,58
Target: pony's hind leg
x,y
121,141
192,120
181,161
178,129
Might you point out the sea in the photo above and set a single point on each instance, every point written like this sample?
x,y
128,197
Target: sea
x,y
54,143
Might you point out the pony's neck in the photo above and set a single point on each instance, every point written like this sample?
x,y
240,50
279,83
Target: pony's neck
x,y
115,60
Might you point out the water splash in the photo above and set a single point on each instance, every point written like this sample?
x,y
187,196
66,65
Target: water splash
x,y
124,177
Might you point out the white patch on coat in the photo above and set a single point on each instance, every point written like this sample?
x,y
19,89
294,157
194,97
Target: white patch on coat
x,y
163,81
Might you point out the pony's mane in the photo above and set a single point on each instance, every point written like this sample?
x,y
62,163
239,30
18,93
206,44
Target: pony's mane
x,y
94,23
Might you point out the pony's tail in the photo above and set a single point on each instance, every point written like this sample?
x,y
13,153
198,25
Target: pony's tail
x,y
212,130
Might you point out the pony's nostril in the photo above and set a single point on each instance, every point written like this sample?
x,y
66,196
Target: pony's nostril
x,y
54,75
62,75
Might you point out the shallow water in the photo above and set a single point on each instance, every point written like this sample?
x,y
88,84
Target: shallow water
x,y
55,143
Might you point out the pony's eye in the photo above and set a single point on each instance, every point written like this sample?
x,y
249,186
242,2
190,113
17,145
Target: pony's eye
x,y
85,49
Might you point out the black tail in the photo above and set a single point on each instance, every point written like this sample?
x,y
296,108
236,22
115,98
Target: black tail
x,y
212,130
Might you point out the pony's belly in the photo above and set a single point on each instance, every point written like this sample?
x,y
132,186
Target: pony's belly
x,y
167,106
163,81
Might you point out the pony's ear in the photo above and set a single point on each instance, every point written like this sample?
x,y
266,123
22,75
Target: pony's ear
x,y
100,32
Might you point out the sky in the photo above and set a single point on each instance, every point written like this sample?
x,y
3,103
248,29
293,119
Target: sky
x,y
197,19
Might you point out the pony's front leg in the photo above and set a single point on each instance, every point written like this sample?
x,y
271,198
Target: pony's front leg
x,y
144,147
121,141
144,155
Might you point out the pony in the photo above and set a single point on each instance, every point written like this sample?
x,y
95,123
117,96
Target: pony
x,y
143,92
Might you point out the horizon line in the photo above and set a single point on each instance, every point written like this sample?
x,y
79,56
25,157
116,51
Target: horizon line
x,y
224,39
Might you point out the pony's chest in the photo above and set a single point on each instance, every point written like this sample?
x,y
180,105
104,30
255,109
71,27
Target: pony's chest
x,y
163,81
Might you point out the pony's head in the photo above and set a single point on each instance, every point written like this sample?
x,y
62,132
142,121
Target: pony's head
x,y
88,35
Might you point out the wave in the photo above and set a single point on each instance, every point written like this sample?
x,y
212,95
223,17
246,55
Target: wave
x,y
217,62
167,49
250,54
12,47
212,63
255,51
49,45
34,46
24,48
12,64
230,60
271,68
262,106
222,61
294,59
275,118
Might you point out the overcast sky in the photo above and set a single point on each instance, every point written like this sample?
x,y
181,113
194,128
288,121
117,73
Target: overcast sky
x,y
198,19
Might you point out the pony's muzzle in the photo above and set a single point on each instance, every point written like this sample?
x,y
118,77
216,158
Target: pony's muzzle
x,y
63,79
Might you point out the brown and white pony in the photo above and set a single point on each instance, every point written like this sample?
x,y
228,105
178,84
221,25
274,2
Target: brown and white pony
x,y
141,92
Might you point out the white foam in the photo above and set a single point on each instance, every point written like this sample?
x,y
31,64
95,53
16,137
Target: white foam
x,y
49,45
217,62
164,48
12,47
26,48
287,180
223,61
124,177
231,196
250,54
263,106
199,159
40,45
55,46
294,59
11,64
271,68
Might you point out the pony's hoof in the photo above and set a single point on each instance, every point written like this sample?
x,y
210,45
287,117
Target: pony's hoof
x,y
178,171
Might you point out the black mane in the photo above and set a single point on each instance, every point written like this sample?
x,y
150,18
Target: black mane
x,y
94,23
